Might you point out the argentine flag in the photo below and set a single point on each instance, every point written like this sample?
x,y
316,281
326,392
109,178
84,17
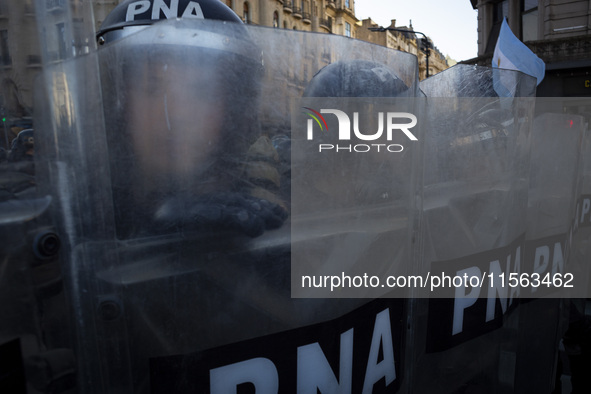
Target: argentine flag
x,y
512,54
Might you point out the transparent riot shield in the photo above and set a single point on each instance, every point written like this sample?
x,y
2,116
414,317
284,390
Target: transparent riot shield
x,y
167,168
579,250
554,171
168,155
35,354
474,213
577,353
464,80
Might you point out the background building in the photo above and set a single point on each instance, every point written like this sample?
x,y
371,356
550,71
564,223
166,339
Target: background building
x,y
21,61
321,16
324,16
558,31
407,42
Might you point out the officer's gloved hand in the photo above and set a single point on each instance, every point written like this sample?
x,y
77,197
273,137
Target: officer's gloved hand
x,y
227,211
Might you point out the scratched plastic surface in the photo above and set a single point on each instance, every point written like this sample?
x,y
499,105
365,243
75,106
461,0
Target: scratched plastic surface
x,y
171,249
165,168
475,199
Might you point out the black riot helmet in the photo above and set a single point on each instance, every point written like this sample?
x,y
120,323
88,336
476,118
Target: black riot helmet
x,y
180,87
356,78
22,147
133,15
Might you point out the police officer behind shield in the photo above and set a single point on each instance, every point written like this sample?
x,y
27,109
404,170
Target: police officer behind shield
x,y
181,107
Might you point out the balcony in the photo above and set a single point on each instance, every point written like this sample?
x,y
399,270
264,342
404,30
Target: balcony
x,y
287,6
345,6
342,5
33,61
6,60
325,23
306,17
567,49
29,9
55,5
297,12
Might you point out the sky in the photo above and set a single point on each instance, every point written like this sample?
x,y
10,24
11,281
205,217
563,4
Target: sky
x,y
452,24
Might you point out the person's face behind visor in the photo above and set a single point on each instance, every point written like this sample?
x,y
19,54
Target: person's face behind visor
x,y
175,115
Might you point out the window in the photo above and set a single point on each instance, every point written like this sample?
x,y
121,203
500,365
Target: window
x,y
500,11
529,20
528,5
348,3
61,40
347,29
246,16
4,51
275,19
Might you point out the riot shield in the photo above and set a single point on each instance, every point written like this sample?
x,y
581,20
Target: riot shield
x,y
168,152
36,355
550,214
552,190
464,80
574,341
181,169
580,248
475,197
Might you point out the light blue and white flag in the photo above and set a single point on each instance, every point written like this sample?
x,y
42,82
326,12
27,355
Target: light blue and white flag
x,y
512,54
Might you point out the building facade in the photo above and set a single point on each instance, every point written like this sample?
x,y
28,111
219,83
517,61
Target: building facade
x,y
20,53
20,59
558,31
405,41
323,16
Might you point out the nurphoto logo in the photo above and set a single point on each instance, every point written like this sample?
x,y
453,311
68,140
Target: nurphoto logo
x,y
388,122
